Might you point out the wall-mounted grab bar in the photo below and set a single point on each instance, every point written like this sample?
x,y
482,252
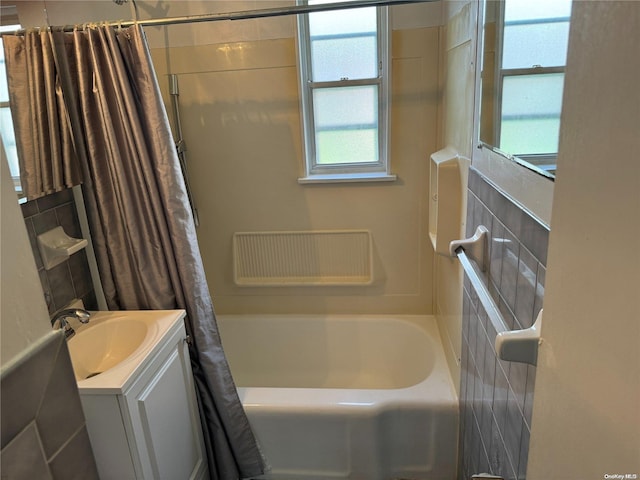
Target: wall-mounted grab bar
x,y
511,345
181,146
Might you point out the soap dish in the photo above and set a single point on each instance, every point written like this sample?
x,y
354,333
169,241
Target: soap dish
x,y
56,247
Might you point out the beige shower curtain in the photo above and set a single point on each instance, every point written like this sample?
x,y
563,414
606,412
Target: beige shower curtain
x,y
113,121
42,131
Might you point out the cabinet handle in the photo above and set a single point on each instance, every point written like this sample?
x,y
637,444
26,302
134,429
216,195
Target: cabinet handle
x,y
187,340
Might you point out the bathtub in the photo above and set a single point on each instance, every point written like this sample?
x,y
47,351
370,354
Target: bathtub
x,y
362,397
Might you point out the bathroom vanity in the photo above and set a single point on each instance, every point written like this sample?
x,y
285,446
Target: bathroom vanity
x,y
137,391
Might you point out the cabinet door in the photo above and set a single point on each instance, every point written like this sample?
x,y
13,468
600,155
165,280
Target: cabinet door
x,y
164,413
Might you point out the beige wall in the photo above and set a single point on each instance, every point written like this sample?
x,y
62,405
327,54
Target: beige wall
x,y
241,120
587,402
24,318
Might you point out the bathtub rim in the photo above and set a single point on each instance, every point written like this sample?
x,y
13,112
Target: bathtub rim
x,y
437,389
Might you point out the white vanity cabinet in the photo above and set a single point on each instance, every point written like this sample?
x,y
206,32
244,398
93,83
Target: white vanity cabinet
x,y
150,429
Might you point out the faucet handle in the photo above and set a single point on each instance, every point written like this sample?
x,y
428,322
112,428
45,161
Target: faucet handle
x,y
82,315
62,324
61,319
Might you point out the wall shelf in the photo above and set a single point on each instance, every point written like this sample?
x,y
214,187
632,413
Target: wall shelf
x,y
448,173
56,246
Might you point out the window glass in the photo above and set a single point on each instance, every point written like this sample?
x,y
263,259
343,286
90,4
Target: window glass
x,y
341,22
9,140
343,55
550,40
352,58
346,121
527,10
345,106
523,58
531,107
536,33
535,36
343,44
4,91
6,123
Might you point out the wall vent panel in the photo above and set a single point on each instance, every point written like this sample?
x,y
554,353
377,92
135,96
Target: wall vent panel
x,y
338,257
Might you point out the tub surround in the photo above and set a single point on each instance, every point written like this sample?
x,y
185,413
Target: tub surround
x,y
496,397
458,40
233,91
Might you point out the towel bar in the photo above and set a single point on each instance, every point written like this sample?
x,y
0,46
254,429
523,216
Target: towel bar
x,y
511,345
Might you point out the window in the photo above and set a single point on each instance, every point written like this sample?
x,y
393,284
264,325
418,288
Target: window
x,y
6,123
344,79
530,78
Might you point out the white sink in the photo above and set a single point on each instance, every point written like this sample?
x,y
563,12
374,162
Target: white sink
x,y
104,345
136,386
113,346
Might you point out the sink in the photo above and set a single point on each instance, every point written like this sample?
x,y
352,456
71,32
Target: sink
x,y
136,386
107,352
103,346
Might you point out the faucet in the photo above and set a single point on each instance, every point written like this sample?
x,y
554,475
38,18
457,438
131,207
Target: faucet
x,y
59,320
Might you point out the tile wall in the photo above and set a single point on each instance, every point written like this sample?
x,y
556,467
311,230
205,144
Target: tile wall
x,y
44,433
496,396
72,278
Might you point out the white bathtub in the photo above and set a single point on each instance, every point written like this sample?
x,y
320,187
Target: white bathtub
x,y
345,396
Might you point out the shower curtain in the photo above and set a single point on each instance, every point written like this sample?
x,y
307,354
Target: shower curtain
x,y
114,122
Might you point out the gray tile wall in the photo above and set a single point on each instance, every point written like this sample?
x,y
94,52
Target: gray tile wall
x,y
43,434
496,397
71,279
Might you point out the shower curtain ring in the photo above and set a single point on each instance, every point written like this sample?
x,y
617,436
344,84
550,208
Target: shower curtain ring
x,y
46,14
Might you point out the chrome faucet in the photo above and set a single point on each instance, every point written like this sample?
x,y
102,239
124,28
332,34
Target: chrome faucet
x,y
59,320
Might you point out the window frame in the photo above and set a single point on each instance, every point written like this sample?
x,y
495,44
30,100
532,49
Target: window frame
x,y
347,171
539,160
10,23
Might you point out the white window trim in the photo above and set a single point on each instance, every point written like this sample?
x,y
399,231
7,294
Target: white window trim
x,y
501,73
9,22
530,189
355,172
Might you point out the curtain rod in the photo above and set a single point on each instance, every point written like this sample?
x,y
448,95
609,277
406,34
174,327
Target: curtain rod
x,y
240,15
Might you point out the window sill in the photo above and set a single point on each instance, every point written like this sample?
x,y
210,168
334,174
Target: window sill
x,y
348,178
